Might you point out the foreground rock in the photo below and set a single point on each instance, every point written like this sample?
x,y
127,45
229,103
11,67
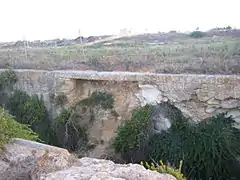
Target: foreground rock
x,y
26,160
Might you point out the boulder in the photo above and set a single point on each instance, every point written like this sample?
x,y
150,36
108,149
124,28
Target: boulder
x,y
27,160
96,169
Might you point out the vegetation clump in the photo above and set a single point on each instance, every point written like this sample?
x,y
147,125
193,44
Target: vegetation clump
x,y
10,128
197,34
209,149
68,134
162,168
133,132
7,79
30,110
104,99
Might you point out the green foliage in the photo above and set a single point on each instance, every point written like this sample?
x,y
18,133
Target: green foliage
x,y
131,134
104,99
197,34
209,149
27,109
10,128
7,79
162,168
15,104
68,134
30,110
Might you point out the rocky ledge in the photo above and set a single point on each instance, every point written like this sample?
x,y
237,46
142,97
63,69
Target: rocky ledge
x,y
27,160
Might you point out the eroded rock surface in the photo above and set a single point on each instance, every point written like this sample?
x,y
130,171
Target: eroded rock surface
x,y
95,169
27,160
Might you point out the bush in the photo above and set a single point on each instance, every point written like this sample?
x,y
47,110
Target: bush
x,y
67,133
105,100
30,110
9,128
132,138
209,149
7,79
15,105
197,34
133,133
162,168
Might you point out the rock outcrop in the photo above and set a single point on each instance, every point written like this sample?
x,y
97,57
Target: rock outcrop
x,y
26,160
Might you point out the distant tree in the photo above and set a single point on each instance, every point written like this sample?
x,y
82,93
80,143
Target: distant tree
x,y
228,27
197,34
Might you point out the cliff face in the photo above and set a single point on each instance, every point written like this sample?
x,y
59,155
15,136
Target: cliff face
x,y
26,160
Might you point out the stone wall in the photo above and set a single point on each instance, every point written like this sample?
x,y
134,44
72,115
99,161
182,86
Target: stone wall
x,y
197,96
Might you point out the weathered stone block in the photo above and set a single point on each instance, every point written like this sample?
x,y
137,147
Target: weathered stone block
x,y
228,104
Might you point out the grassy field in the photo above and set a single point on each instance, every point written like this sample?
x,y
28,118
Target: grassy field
x,y
182,54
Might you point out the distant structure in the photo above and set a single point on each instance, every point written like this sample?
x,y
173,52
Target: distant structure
x,y
125,32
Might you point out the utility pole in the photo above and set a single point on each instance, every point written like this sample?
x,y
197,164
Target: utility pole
x,y
25,48
81,42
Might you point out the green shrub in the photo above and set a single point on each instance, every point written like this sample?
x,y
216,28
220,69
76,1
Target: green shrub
x,y
209,149
105,100
16,103
7,79
35,111
67,133
162,168
133,132
9,128
30,110
197,34
132,139
27,109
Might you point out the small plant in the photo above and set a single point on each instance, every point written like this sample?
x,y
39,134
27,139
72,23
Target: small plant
x,y
104,99
162,168
9,128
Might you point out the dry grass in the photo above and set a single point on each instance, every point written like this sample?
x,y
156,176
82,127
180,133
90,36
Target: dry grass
x,y
182,55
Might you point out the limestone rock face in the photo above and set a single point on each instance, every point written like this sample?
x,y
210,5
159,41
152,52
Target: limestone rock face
x,y
95,169
27,160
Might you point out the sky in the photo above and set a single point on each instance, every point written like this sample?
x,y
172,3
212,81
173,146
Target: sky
x,y
50,19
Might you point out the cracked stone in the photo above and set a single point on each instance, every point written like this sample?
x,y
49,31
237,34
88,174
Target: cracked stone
x,y
149,95
213,101
232,103
210,109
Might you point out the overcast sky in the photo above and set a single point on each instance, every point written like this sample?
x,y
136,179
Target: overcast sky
x,y
48,19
